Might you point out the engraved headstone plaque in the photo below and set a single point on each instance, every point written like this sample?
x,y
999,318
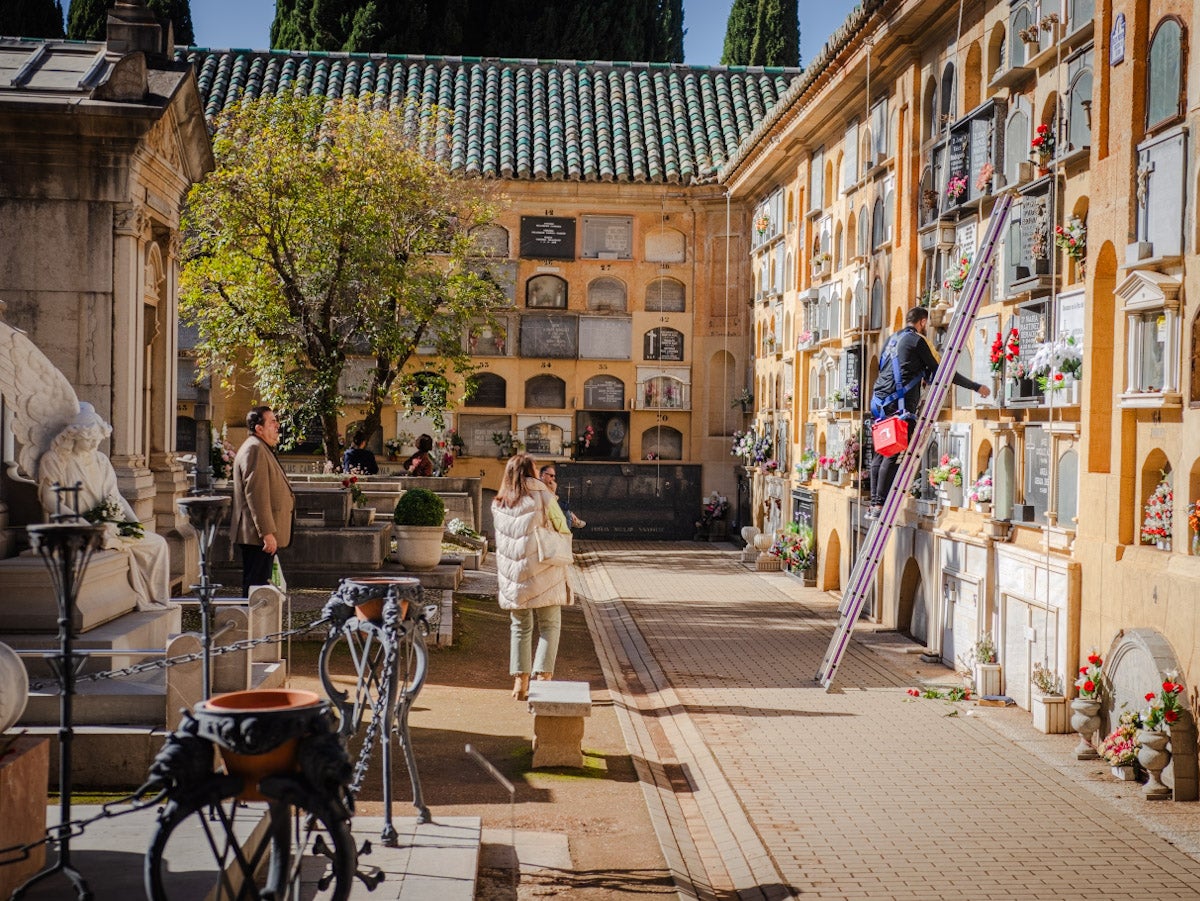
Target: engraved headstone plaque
x,y
663,344
604,392
1037,469
547,238
549,335
605,338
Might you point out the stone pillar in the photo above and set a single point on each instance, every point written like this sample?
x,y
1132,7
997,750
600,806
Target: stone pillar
x,y
130,222
170,480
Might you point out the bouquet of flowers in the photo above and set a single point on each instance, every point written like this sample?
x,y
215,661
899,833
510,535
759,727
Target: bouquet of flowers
x,y
358,497
109,511
771,465
847,460
751,447
1157,524
984,179
956,281
744,399
716,507
457,527
1164,706
796,546
1120,746
220,454
956,186
827,463
807,465
588,436
762,224
1054,360
981,490
948,472
1091,676
1043,143
804,340
1194,525
997,356
393,446
1072,238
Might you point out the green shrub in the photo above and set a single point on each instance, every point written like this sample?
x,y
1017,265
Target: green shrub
x,y
419,507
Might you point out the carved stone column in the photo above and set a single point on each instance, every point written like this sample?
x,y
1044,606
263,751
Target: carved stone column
x,y
130,225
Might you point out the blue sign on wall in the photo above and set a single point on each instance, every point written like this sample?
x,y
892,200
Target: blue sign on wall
x,y
1116,41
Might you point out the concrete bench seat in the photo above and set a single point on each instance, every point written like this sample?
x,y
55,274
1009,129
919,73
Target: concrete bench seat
x,y
558,710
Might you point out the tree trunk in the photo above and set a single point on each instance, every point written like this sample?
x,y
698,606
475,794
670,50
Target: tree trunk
x,y
331,440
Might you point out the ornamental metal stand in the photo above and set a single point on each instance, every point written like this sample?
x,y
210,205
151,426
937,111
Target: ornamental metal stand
x,y
66,548
378,627
205,513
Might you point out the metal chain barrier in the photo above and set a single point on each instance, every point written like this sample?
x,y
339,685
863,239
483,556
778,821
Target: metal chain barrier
x,y
165,662
379,709
76,828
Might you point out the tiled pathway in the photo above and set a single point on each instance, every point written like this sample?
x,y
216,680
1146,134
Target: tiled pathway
x,y
762,785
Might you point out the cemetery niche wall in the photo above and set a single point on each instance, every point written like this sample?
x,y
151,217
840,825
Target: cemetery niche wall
x,y
633,501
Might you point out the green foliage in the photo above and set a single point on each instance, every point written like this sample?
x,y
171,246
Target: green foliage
x,y
419,507
776,34
762,33
326,233
88,19
739,33
566,29
32,18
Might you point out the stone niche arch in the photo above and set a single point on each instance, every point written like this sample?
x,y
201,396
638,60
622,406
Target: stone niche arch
x,y
490,240
721,380
911,615
546,391
1139,661
665,245
1004,481
607,295
661,442
831,570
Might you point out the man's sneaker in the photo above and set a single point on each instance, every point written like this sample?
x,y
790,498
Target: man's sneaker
x,y
874,511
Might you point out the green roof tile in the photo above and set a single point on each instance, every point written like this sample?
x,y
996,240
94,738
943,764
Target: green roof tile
x,y
552,119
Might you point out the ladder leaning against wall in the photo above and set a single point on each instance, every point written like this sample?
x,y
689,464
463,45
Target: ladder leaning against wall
x,y
866,566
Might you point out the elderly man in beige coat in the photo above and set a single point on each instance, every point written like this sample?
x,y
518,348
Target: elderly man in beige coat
x,y
263,503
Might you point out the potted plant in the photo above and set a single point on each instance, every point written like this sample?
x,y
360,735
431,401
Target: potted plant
x,y
220,457
958,278
1120,747
807,465
419,519
946,477
1072,238
796,546
985,669
1153,754
1085,709
1042,146
980,493
1047,702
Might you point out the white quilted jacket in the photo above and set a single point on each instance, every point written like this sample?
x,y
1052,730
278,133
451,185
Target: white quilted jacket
x,y
524,581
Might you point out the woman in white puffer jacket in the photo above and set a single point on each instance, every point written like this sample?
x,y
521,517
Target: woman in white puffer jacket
x,y
529,588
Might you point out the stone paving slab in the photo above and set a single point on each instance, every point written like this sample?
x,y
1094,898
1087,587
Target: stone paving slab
x,y
859,793
437,861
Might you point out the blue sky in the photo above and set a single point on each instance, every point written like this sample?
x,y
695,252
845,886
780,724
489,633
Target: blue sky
x,y
247,24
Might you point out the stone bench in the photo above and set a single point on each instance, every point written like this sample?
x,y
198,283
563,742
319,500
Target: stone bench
x,y
558,710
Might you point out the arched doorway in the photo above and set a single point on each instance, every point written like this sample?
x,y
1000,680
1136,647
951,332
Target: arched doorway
x,y
912,617
831,572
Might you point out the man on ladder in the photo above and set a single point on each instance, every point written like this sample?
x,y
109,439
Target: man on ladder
x,y
906,361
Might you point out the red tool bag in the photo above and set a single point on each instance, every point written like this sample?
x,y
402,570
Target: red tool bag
x,y
890,436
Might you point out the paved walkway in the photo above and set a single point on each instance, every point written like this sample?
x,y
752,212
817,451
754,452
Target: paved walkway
x,y
762,785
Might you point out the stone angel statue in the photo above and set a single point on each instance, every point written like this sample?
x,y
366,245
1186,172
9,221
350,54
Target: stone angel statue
x,y
58,439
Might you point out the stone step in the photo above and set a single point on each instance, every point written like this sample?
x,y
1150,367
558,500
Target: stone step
x,y
138,630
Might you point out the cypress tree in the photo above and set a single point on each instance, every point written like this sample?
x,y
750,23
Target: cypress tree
x,y
670,32
739,33
32,19
776,34
286,30
88,19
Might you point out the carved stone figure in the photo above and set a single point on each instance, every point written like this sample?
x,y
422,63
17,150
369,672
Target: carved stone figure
x,y
58,440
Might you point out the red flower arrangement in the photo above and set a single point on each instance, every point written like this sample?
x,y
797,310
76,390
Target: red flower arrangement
x,y
1043,142
1164,705
1090,677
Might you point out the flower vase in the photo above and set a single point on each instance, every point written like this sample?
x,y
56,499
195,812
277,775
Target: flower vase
x,y
1196,545
951,494
1085,719
984,507
220,484
1154,756
1125,773
1163,544
1049,714
987,680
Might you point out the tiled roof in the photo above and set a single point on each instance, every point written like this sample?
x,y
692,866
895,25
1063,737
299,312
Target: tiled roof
x,y
530,119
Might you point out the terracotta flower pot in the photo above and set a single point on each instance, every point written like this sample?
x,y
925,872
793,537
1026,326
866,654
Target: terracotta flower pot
x,y
371,609
258,731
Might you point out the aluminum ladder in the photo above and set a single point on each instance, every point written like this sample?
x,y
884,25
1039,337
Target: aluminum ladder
x,y
866,566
